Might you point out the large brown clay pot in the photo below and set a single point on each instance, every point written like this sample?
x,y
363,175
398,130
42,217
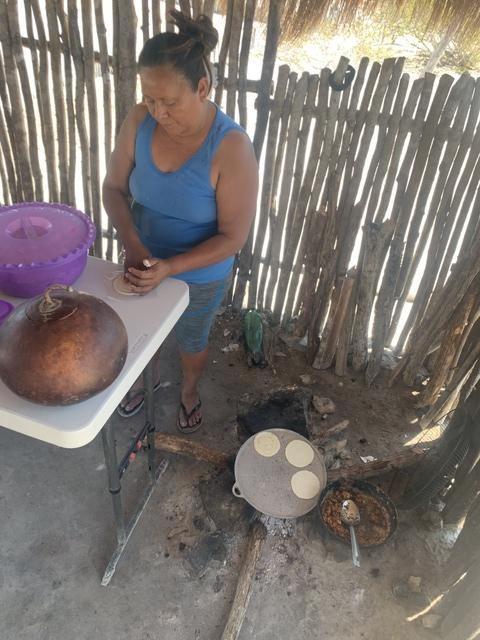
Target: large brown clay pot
x,y
62,347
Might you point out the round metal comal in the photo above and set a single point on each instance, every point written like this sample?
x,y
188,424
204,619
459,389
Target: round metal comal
x,y
280,473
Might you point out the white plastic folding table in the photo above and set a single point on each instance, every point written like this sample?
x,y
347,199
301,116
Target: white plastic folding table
x,y
148,321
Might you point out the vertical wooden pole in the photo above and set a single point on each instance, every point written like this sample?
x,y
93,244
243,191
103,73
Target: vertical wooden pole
x,y
70,161
124,60
59,98
107,104
93,147
7,143
13,106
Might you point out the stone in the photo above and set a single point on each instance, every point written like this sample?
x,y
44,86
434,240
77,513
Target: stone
x,y
323,405
431,620
414,584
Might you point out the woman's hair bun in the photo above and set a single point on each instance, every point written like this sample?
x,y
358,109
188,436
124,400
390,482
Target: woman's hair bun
x,y
199,30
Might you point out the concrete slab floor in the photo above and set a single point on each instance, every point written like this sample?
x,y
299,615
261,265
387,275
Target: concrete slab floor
x,y
57,536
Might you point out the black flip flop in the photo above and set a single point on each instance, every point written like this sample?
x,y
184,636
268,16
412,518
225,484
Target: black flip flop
x,y
132,412
186,416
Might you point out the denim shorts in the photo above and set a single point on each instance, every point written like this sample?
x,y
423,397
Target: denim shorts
x,y
193,328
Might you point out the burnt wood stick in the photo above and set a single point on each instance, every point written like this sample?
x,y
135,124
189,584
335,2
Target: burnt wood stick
x,y
186,447
377,467
256,536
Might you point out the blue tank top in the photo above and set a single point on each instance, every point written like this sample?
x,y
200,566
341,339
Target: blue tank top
x,y
175,211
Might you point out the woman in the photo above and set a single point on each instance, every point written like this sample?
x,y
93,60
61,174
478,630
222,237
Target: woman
x,y
181,190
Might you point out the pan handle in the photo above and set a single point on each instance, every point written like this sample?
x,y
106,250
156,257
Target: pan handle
x,y
236,491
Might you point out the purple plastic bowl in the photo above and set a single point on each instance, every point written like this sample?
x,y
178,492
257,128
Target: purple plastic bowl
x,y
5,309
42,244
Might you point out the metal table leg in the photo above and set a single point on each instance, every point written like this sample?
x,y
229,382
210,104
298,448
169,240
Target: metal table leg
x,y
115,472
150,417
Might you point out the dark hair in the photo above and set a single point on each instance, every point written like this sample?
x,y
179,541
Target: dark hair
x,y
187,51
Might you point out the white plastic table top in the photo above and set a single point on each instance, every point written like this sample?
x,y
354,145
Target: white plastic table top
x,y
148,320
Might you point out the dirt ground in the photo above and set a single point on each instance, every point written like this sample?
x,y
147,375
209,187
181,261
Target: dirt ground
x,y
305,586
177,578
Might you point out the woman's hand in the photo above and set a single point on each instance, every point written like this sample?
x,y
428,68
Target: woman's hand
x,y
144,280
135,254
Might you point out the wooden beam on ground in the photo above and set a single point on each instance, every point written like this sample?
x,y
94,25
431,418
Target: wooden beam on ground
x,y
377,467
187,447
256,536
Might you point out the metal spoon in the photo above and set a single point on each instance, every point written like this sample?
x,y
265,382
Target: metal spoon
x,y
350,516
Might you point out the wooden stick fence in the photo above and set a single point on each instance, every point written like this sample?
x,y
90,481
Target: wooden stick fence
x,y
368,221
